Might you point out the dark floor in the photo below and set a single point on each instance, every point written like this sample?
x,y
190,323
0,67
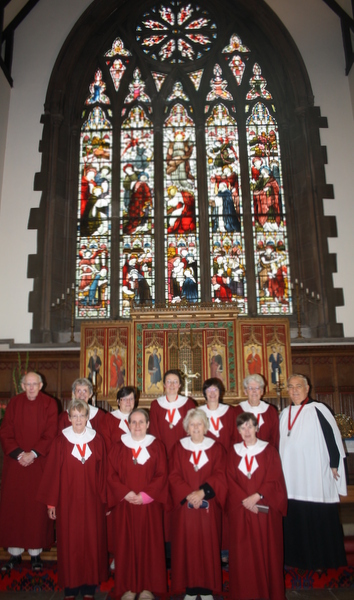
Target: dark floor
x,y
329,594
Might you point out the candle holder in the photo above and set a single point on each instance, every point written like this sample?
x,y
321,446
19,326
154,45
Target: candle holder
x,y
65,303
303,294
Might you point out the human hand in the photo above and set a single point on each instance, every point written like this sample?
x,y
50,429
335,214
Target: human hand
x,y
196,498
26,458
335,474
251,501
52,513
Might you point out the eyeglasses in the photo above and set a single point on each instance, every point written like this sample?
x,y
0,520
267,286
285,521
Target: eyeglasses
x,y
253,389
296,387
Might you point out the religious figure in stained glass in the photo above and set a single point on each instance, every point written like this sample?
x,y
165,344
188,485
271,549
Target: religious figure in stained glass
x,y
181,207
270,235
225,209
136,209
176,34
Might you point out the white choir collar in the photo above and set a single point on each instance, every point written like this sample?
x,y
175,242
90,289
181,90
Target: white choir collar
x,y
164,403
79,438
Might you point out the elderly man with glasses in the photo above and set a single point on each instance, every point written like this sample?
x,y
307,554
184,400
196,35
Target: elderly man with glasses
x,y
27,431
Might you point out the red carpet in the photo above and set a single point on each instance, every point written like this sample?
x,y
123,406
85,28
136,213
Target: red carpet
x,y
23,579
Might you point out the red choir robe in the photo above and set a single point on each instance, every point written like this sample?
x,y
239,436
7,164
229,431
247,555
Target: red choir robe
x,y
163,414
96,418
222,428
256,540
268,421
222,424
138,529
78,491
196,533
114,425
27,425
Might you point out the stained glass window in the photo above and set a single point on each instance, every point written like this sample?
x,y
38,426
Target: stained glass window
x,y
137,211
94,218
227,254
165,33
188,151
268,210
181,225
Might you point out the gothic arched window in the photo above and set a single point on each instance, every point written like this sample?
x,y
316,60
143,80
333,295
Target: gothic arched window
x,y
194,196
181,162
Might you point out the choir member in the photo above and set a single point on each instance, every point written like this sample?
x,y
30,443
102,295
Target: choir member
x,y
137,491
256,505
114,425
82,390
312,454
266,414
74,489
222,417
27,431
198,488
168,411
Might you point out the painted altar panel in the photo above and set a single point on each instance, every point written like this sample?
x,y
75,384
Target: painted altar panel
x,y
265,349
200,342
198,345
105,356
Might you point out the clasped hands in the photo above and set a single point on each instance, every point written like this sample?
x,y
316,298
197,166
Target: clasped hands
x,y
196,498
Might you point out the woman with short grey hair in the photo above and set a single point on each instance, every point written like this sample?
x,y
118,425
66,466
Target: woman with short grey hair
x,y
266,414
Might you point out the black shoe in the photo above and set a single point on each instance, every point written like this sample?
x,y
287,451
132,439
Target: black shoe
x,y
12,563
36,563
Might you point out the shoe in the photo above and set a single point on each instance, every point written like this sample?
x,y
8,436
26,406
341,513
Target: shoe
x,y
188,597
69,597
112,566
36,563
128,596
207,597
146,595
13,562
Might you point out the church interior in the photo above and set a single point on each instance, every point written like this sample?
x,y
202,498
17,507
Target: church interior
x,y
178,195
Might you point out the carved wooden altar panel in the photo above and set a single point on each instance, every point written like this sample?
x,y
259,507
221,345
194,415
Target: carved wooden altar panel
x,y
105,356
201,342
265,349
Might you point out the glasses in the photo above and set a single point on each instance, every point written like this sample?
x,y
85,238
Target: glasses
x,y
213,388
172,382
295,387
127,399
31,384
254,389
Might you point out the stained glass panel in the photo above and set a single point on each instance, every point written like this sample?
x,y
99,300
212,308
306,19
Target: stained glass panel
x,y
268,210
227,248
181,209
97,89
258,85
94,218
137,263
117,71
162,40
218,86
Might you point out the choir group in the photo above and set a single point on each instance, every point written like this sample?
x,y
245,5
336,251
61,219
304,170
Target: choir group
x,y
184,484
